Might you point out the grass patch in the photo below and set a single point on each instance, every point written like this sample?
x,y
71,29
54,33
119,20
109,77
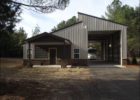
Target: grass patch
x,y
46,73
45,83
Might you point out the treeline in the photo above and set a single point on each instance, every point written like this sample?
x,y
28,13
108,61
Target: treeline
x,y
64,24
129,16
123,14
11,40
11,44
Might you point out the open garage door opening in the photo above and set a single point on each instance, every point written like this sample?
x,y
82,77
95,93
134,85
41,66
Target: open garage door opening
x,y
103,47
94,50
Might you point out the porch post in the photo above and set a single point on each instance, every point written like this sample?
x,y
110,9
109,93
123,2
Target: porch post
x,y
65,55
112,48
102,50
64,50
29,55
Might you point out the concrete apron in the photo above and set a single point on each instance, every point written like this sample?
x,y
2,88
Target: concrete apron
x,y
52,66
48,66
92,66
107,66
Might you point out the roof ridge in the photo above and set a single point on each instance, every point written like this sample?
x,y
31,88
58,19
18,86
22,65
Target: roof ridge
x,y
102,18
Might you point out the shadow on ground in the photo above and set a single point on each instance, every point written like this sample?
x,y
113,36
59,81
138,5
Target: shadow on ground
x,y
71,89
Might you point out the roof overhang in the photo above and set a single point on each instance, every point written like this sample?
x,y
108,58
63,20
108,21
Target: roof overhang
x,y
47,36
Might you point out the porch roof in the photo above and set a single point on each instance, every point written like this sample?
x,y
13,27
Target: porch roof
x,y
45,37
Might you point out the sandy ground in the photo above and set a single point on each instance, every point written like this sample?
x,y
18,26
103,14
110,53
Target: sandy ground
x,y
19,83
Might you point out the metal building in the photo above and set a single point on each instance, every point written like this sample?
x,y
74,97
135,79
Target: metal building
x,y
70,45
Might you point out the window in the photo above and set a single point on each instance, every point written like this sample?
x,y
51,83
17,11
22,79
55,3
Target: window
x,y
40,52
76,53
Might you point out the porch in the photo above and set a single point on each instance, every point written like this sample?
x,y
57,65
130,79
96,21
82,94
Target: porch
x,y
48,50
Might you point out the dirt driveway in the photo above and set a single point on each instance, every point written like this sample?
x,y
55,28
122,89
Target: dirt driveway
x,y
69,84
117,83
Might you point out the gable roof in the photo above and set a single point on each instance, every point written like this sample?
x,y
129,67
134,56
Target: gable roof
x,y
101,18
50,34
45,34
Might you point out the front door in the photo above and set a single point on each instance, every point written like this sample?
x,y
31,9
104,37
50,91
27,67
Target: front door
x,y
52,55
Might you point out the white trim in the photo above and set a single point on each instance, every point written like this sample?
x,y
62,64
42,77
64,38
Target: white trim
x,y
104,50
33,50
121,58
40,57
51,43
47,66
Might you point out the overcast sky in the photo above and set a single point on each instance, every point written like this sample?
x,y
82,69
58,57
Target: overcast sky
x,y
47,21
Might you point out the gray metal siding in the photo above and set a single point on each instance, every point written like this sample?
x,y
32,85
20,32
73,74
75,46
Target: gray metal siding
x,y
25,51
95,24
77,34
25,47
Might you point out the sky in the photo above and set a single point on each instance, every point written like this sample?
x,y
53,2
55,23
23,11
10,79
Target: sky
x,y
46,21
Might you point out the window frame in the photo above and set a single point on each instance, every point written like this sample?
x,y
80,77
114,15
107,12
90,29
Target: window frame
x,y
76,53
35,53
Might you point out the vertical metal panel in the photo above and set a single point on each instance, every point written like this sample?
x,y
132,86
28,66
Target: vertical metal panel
x,y
124,43
78,36
25,51
32,51
97,24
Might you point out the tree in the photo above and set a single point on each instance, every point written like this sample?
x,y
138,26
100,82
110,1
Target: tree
x,y
54,29
9,16
44,6
61,25
134,34
18,37
129,16
64,24
36,30
71,21
21,35
115,12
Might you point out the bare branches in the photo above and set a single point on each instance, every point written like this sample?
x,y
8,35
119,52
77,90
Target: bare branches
x,y
44,6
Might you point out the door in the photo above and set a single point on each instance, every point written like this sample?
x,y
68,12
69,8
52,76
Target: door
x,y
52,55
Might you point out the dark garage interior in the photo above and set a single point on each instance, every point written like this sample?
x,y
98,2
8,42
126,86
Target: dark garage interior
x,y
106,47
